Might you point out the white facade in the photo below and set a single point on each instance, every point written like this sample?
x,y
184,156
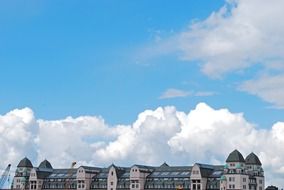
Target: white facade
x,y
197,181
138,177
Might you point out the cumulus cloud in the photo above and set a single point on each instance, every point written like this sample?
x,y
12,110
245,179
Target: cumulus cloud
x,y
17,131
242,33
204,134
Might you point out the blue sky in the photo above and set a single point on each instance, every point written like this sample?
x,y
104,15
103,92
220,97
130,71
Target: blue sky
x,y
78,58
123,82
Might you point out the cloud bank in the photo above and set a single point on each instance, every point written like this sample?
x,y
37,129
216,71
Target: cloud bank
x,y
204,134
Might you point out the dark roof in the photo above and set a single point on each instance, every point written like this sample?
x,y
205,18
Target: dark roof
x,y
143,168
213,171
271,187
252,159
164,165
91,170
103,174
25,163
42,174
235,156
45,165
121,171
206,170
171,172
63,173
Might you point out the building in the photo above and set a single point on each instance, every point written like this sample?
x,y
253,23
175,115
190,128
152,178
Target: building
x,y
271,187
238,173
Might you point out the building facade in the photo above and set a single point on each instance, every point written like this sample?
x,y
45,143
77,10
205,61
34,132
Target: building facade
x,y
238,173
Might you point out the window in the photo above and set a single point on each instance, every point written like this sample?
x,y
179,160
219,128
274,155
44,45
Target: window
x,y
198,186
195,172
260,188
112,173
244,179
260,181
244,187
111,183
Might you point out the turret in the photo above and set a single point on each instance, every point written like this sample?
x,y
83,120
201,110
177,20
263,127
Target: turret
x,y
22,174
255,171
253,165
235,163
234,172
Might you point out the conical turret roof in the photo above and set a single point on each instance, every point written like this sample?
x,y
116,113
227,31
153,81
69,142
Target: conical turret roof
x,y
235,156
25,162
253,159
45,165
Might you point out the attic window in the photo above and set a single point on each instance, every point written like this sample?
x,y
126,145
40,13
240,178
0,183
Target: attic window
x,y
112,173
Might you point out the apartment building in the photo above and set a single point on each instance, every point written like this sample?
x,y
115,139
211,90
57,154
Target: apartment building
x,y
238,173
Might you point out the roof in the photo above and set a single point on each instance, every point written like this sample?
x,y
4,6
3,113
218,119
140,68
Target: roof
x,y
164,171
121,171
42,174
214,171
144,168
63,173
45,165
103,174
271,187
164,165
235,156
25,162
91,170
253,159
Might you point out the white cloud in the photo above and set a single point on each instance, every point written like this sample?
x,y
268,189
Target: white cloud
x,y
203,135
16,134
73,139
268,88
205,93
240,34
177,93
174,93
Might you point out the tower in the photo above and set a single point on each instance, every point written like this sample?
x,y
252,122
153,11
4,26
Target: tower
x,y
235,176
255,172
21,179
